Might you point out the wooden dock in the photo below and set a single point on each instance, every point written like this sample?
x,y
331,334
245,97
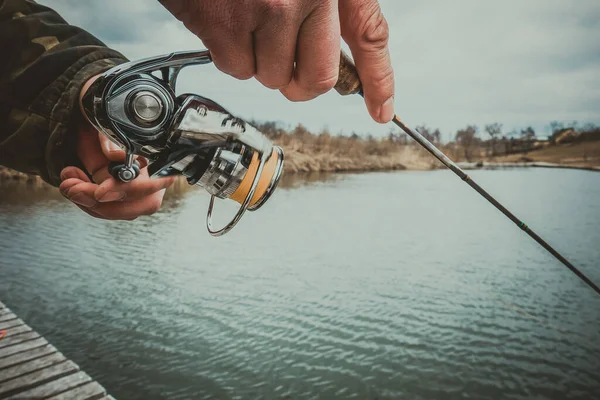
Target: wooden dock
x,y
31,368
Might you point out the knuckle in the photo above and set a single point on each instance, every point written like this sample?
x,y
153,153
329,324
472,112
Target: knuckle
x,y
323,84
242,75
185,11
277,8
233,67
274,83
307,90
372,29
292,96
383,80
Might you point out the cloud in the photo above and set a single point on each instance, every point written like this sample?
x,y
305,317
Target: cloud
x,y
469,62
113,21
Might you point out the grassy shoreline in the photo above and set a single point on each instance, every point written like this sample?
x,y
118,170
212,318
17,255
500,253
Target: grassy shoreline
x,y
335,154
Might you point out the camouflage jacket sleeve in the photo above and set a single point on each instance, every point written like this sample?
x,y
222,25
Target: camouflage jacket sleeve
x,y
44,62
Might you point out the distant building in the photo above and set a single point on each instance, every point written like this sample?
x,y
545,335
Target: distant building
x,y
565,136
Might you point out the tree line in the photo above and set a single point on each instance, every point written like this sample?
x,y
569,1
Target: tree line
x,y
468,143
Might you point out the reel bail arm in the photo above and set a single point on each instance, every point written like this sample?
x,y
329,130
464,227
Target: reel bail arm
x,y
187,135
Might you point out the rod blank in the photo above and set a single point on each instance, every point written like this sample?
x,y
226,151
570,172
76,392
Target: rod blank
x,y
349,83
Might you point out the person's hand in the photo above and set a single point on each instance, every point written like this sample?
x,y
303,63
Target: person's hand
x,y
264,38
104,197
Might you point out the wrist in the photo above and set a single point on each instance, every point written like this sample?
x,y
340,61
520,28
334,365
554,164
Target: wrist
x,y
86,86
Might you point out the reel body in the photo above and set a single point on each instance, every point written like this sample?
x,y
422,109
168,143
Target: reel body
x,y
135,106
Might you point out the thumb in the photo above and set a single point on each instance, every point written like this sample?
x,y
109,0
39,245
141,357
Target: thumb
x,y
110,149
366,31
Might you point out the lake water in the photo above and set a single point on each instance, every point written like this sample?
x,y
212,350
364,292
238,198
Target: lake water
x,y
403,285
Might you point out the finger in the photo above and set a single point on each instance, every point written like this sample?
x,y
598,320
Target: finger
x,y
79,192
89,150
275,48
366,31
233,53
318,54
101,175
141,187
232,56
225,28
130,210
82,194
90,212
73,172
110,149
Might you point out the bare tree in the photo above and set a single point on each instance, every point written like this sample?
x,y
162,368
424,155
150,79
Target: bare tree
x,y
354,136
527,137
556,126
431,135
437,136
466,138
300,131
494,130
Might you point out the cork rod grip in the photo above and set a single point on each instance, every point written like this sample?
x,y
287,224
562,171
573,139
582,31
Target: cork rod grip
x,y
348,82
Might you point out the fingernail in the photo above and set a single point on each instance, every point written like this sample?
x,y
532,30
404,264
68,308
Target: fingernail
x,y
386,113
83,200
67,174
112,196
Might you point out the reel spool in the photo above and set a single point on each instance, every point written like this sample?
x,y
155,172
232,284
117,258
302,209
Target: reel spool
x,y
187,135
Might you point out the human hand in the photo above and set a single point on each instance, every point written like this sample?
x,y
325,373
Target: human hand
x,y
264,38
104,197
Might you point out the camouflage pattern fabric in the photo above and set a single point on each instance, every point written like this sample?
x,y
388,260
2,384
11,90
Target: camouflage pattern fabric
x,y
44,62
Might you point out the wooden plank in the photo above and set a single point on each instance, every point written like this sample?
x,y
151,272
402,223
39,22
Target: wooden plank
x,y
54,387
89,391
4,311
26,356
11,339
8,317
21,347
16,331
37,378
10,324
30,366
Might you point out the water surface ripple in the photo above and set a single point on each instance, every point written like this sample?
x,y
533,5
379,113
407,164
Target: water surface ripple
x,y
371,286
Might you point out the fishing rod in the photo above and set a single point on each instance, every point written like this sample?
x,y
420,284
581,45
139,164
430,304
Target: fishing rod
x,y
349,84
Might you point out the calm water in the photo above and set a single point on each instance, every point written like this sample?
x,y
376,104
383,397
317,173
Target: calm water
x,y
376,286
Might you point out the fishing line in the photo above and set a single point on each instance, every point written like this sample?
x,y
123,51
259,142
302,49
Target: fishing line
x,y
466,178
349,84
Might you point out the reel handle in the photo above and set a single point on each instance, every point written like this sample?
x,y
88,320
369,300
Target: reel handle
x,y
136,106
123,173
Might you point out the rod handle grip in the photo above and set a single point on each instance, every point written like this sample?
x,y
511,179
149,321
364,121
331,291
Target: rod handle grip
x,y
349,81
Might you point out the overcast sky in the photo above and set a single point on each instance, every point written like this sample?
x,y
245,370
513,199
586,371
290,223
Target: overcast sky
x,y
518,62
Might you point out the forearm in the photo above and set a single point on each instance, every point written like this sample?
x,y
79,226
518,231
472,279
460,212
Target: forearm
x,y
45,63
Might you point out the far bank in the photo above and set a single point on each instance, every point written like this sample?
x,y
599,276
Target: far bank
x,y
330,156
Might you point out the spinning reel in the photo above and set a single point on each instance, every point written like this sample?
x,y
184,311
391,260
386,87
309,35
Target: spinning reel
x,y
187,135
